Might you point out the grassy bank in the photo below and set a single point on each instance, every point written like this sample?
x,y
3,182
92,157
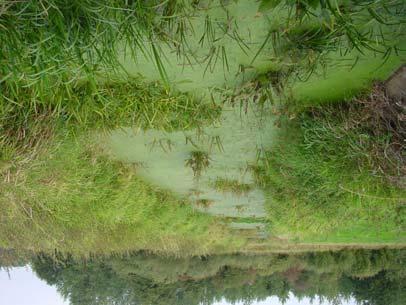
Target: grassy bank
x,y
336,171
75,199
59,189
332,178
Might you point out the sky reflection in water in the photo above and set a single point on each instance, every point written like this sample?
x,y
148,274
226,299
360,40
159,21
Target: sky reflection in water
x,y
346,277
21,286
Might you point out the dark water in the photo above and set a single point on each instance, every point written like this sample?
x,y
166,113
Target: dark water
x,y
372,277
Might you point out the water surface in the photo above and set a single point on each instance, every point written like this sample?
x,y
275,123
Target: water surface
x,y
346,277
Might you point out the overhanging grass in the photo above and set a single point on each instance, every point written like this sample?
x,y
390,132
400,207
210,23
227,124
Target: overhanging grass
x,y
25,121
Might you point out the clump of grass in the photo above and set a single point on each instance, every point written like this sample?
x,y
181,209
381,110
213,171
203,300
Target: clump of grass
x,y
205,203
259,173
198,161
53,42
56,54
231,185
145,104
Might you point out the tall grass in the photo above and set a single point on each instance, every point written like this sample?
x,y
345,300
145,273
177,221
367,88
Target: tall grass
x,y
73,198
326,184
44,40
114,104
335,49
55,53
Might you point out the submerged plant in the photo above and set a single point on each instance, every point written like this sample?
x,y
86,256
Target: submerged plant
x,y
204,203
231,185
198,162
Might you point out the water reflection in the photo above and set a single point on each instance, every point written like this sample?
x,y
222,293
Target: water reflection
x,y
21,286
372,277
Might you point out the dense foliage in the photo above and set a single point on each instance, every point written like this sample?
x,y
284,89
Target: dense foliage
x,y
369,276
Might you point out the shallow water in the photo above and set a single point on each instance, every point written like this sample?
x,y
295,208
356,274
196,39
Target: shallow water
x,y
347,277
196,74
231,145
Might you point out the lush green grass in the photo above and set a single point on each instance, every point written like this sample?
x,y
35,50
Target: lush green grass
x,y
58,189
323,186
51,43
75,199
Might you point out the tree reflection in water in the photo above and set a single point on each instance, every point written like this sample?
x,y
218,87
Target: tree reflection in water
x,y
373,277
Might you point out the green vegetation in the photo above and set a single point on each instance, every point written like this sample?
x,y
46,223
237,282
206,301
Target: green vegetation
x,y
331,51
372,277
51,43
198,162
331,176
234,186
75,199
341,82
336,172
329,180
114,104
60,190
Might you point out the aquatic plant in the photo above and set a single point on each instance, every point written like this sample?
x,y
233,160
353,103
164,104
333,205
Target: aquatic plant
x,y
320,25
231,185
204,203
198,162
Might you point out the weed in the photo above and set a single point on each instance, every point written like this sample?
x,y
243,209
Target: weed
x,y
229,185
24,130
205,203
198,162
